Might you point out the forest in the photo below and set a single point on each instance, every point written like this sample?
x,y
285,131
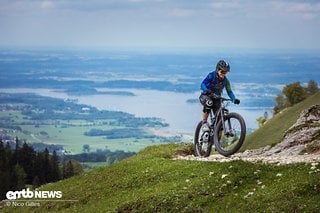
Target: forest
x,y
23,166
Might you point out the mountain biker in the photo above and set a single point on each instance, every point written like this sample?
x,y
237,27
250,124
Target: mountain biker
x,y
212,86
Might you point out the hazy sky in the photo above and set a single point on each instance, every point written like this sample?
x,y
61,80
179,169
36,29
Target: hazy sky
x,y
161,23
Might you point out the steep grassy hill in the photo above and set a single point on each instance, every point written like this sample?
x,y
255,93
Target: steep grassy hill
x,y
152,182
273,131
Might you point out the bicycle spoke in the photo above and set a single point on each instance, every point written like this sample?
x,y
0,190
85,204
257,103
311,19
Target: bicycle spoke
x,y
230,135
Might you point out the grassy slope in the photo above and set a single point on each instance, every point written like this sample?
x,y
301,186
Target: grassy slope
x,y
152,181
273,131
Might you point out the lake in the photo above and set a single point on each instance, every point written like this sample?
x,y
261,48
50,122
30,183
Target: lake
x,y
172,107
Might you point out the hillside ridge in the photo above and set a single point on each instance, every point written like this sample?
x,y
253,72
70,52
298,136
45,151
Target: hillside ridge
x,y
273,131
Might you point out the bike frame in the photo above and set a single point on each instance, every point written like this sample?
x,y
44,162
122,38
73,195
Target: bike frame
x,y
221,112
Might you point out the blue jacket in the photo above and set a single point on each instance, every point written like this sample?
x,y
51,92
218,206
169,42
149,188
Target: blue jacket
x,y
216,85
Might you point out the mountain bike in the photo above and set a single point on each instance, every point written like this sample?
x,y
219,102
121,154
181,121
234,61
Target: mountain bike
x,y
227,132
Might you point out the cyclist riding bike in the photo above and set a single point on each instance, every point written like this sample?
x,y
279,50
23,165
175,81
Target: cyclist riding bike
x,y
213,85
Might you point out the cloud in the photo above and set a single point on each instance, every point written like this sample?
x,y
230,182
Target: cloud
x,y
225,5
228,9
276,23
182,12
47,4
304,10
136,1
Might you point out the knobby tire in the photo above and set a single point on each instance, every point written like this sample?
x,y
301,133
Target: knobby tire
x,y
198,151
219,130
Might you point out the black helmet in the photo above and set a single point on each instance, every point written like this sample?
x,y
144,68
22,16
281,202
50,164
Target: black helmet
x,y
222,65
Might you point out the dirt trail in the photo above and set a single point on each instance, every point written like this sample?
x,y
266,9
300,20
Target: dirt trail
x,y
258,155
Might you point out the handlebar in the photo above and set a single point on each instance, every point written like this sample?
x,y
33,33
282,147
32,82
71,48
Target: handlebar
x,y
225,99
215,96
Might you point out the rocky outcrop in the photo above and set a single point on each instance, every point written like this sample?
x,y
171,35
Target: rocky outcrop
x,y
305,132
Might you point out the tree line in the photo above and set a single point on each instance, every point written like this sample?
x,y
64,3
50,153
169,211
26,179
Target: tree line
x,y
291,94
23,166
100,155
294,93
129,133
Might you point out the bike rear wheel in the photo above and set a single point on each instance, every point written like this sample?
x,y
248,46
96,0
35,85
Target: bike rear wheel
x,y
229,134
202,142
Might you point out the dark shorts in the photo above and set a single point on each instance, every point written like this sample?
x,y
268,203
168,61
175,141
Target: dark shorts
x,y
213,103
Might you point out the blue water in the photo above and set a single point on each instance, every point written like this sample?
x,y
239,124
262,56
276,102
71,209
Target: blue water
x,y
161,81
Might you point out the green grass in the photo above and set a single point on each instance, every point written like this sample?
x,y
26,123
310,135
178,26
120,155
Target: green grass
x,y
273,131
151,181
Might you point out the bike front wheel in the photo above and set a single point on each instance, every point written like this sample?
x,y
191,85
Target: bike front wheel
x,y
202,142
229,134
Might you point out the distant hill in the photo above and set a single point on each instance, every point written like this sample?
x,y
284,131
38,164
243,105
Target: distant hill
x,y
273,131
152,181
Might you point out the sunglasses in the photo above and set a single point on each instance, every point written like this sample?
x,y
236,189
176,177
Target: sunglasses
x,y
223,72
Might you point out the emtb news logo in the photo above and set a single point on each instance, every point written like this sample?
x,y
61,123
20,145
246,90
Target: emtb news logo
x,y
26,193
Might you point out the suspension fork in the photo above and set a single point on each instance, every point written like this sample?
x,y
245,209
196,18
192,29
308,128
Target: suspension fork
x,y
228,130
222,119
223,113
229,124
